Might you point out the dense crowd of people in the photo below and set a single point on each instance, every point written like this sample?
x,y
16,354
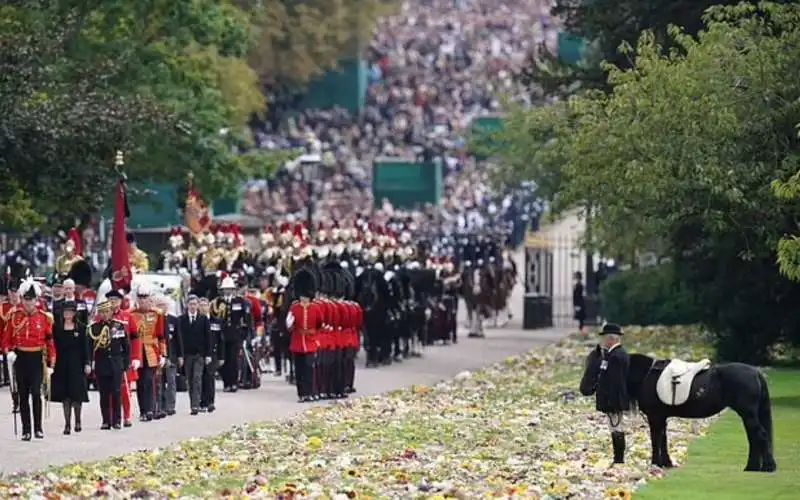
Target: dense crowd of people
x,y
433,68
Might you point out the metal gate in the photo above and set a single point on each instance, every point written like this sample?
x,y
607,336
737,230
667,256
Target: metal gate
x,y
551,261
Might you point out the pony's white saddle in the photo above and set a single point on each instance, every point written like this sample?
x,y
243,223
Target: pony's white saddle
x,y
675,383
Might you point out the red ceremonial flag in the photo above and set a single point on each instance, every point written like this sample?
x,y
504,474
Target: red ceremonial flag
x,y
195,214
120,260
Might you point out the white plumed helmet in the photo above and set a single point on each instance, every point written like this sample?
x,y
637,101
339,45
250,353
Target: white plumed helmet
x,y
227,283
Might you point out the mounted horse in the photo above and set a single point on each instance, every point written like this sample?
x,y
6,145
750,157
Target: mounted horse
x,y
673,388
504,279
478,288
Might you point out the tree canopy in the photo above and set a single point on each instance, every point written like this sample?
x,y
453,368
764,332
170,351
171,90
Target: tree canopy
x,y
608,24
156,79
680,158
299,40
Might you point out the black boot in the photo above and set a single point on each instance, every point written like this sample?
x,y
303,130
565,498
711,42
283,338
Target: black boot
x,y
618,439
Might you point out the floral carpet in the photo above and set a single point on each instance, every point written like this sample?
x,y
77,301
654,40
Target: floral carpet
x,y
517,429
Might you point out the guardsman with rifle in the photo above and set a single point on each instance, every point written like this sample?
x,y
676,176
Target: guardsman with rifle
x,y
303,321
110,351
232,314
28,344
150,328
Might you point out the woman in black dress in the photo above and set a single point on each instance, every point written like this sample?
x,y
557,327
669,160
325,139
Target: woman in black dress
x,y
68,384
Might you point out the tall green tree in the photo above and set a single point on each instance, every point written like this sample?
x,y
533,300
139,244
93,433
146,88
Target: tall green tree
x,y
679,158
159,80
609,24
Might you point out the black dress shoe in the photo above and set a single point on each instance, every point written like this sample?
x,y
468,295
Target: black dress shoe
x,y
117,426
67,431
171,413
105,427
211,408
127,423
78,428
194,411
38,434
160,415
26,436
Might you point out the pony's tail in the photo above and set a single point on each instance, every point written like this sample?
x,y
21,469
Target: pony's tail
x,y
765,410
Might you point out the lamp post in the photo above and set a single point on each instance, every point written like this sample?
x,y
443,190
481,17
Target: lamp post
x,y
309,165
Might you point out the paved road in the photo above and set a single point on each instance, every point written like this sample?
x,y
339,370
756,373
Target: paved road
x,y
275,399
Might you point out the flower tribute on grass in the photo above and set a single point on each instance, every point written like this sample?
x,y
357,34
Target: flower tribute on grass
x,y
517,429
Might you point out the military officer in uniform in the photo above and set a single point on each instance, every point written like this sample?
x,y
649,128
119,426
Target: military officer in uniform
x,y
31,355
611,396
214,359
110,350
232,314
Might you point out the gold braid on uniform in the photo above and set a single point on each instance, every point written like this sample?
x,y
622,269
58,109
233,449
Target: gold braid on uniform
x,y
100,341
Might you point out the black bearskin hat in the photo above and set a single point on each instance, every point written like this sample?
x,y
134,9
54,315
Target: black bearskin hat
x,y
304,284
81,273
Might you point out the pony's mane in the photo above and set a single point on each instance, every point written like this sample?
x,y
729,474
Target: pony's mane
x,y
640,366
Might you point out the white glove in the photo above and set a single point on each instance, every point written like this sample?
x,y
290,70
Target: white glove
x,y
11,357
92,369
136,364
87,370
289,320
207,360
283,280
49,372
255,341
428,313
162,361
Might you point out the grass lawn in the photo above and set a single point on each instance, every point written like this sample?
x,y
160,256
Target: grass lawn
x,y
714,467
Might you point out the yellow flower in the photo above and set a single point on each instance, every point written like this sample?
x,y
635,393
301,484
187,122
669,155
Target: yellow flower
x,y
314,442
436,497
231,465
420,389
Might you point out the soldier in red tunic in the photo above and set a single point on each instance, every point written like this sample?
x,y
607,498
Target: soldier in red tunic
x,y
324,337
353,345
303,321
28,344
6,307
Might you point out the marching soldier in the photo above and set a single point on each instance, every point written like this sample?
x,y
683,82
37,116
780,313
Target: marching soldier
x,y
130,376
232,314
30,352
110,348
303,321
210,262
150,328
251,378
13,301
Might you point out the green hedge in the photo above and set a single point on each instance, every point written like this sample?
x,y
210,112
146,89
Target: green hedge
x,y
649,296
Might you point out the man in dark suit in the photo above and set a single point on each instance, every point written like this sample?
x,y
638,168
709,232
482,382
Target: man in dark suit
x,y
167,389
195,335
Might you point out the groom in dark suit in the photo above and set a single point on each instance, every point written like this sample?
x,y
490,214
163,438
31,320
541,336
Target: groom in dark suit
x,y
196,340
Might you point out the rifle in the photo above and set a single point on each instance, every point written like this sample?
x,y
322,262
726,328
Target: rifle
x,y
14,395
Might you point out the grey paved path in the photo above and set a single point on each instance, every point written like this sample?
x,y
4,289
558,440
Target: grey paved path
x,y
275,399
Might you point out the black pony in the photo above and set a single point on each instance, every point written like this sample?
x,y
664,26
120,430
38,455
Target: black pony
x,y
731,385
